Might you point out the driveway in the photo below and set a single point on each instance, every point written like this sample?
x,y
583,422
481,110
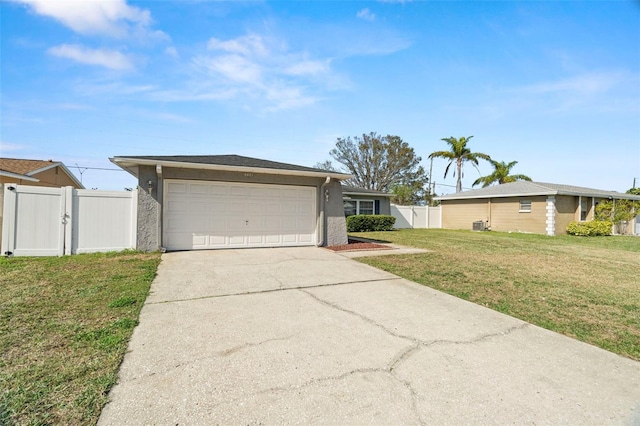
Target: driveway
x,y
308,336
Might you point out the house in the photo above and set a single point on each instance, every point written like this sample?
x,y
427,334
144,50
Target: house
x,y
536,207
35,173
227,201
365,201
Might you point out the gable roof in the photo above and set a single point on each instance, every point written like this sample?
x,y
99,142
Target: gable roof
x,y
222,162
528,189
27,169
354,190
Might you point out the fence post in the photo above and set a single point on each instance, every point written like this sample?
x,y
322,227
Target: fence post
x,y
67,220
9,219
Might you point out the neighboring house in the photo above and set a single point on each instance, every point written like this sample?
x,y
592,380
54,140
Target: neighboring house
x,y
535,207
365,201
35,173
227,201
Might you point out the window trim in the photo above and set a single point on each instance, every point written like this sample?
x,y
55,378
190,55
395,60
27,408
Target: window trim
x,y
523,209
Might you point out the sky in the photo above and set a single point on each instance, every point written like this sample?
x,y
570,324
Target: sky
x,y
554,85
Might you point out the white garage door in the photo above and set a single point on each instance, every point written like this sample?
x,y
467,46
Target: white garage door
x,y
209,215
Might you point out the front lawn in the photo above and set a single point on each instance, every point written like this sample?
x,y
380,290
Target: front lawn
x,y
586,288
64,327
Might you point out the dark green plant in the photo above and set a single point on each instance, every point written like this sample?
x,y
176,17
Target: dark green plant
x,y
500,174
370,223
459,154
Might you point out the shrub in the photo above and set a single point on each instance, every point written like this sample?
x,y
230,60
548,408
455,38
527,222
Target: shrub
x,y
590,229
370,222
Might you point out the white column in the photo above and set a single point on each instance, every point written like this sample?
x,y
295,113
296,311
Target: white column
x,y
551,215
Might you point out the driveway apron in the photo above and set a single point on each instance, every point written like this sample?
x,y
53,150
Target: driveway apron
x,y
308,336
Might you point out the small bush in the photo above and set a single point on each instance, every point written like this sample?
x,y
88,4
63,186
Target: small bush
x,y
594,228
370,223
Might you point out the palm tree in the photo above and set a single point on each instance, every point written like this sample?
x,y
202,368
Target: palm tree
x,y
459,153
500,174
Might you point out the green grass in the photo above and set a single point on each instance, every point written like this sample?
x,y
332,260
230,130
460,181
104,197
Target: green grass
x,y
586,288
64,327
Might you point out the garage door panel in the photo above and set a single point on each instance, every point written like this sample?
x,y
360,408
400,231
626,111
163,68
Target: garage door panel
x,y
205,215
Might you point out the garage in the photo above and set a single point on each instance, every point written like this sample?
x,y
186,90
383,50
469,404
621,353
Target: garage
x,y
211,215
202,202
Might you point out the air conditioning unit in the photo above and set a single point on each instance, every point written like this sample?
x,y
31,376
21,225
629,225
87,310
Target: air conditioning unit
x,y
478,225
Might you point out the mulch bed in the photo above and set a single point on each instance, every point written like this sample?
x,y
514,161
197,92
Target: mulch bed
x,y
355,245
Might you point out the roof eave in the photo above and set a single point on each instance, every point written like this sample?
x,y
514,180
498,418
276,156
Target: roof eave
x,y
18,176
131,165
63,167
368,194
475,197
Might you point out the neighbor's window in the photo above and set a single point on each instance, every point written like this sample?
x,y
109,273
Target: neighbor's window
x,y
366,207
353,207
525,206
350,208
583,210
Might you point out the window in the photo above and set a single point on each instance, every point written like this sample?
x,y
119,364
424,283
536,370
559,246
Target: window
x,y
525,206
350,208
353,207
583,210
365,207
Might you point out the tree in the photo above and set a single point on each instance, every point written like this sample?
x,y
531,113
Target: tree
x,y
381,162
459,154
500,174
326,165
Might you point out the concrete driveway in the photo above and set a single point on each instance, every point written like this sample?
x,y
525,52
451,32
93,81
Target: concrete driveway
x,y
304,335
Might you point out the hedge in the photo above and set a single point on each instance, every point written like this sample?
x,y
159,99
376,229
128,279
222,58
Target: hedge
x,y
370,222
590,229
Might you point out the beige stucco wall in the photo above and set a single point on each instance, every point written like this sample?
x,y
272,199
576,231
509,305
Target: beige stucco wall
x,y
506,215
567,211
502,214
460,214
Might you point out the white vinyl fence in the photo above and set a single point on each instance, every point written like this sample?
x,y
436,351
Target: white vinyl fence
x,y
416,216
41,221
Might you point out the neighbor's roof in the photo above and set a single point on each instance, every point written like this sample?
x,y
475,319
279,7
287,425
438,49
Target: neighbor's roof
x,y
26,169
527,189
224,163
353,190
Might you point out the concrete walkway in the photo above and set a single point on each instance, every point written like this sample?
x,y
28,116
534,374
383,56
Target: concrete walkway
x,y
308,336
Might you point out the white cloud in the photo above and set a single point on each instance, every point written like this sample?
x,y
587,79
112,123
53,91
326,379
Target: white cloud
x,y
234,68
366,15
171,51
308,67
113,18
248,45
585,84
111,59
6,146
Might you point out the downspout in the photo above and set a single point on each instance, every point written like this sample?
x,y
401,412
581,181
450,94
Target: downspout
x,y
160,201
323,202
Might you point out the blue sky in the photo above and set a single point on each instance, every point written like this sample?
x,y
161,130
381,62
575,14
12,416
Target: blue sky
x,y
552,85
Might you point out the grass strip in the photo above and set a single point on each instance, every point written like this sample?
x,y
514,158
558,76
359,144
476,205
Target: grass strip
x,y
64,327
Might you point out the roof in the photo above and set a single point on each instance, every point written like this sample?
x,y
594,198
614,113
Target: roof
x,y
353,190
26,169
222,162
527,189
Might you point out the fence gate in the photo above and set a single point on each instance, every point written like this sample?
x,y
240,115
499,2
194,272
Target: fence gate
x,y
41,221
